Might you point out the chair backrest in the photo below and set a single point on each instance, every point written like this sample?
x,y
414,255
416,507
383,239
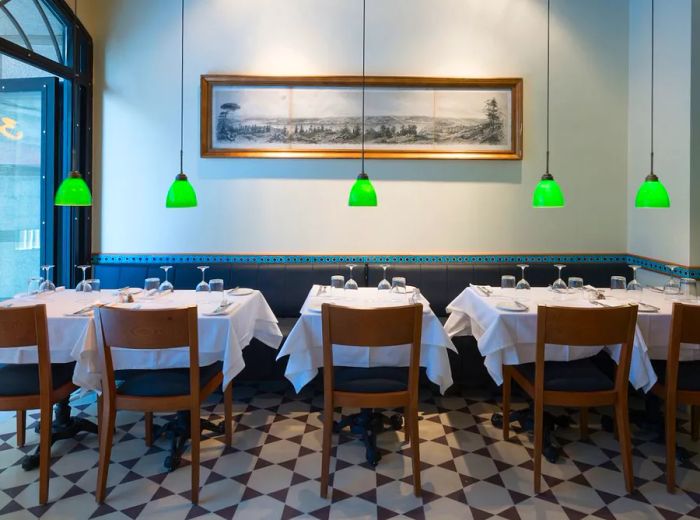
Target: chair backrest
x,y
26,327
147,330
577,327
382,327
685,328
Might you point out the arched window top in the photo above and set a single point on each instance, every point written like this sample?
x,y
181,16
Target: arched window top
x,y
36,26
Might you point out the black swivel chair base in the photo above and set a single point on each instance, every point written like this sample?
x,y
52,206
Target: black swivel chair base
x,y
368,424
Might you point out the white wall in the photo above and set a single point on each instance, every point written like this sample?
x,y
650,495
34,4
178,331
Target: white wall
x,y
299,206
663,234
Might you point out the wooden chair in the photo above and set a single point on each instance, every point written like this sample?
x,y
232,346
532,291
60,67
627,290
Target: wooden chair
x,y
158,390
29,386
579,383
371,387
679,382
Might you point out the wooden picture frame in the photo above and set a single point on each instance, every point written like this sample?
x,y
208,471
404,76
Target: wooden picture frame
x,y
320,117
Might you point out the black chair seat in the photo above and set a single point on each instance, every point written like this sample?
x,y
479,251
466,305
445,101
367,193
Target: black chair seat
x,y
162,382
581,375
688,374
23,379
371,380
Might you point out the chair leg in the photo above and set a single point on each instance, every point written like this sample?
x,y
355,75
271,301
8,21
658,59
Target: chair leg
x,y
695,422
21,427
195,439
623,434
406,424
326,449
506,403
228,414
106,427
45,452
583,423
148,427
671,446
539,427
415,450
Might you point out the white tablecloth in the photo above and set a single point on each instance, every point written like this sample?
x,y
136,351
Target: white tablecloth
x,y
304,346
221,338
509,338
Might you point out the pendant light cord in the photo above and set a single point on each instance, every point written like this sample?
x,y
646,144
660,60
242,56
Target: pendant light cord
x,y
76,136
548,45
364,18
182,81
652,90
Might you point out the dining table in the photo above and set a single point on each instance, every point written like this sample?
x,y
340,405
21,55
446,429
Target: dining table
x,y
224,330
504,324
304,345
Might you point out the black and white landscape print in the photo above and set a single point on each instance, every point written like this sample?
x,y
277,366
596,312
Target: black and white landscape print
x,y
330,118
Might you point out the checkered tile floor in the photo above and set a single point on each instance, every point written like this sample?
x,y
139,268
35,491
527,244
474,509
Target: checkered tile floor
x,y
274,467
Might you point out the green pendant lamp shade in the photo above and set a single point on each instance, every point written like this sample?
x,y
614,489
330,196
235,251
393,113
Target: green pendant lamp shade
x,y
73,191
547,193
362,192
181,193
652,194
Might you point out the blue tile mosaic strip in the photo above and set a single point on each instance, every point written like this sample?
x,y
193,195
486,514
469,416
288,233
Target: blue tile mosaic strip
x,y
391,259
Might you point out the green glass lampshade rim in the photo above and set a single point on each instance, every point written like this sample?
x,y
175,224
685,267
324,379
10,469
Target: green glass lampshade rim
x,y
547,193
73,191
181,193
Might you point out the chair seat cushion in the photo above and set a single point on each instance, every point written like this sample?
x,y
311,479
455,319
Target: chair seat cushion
x,y
371,380
581,375
21,379
162,382
688,374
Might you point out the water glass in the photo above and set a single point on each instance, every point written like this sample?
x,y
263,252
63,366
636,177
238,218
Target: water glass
x,y
34,284
688,290
216,285
94,284
398,285
337,283
576,283
508,282
618,286
151,284
416,296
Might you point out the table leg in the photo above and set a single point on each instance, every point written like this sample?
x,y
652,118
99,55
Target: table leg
x,y
525,417
179,432
64,427
368,424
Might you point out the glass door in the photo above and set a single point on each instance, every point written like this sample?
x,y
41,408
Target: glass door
x,y
27,164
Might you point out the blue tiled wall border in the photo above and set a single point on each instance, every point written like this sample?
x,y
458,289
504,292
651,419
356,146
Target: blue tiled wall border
x,y
390,259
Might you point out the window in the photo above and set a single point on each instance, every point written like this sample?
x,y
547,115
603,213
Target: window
x,y
45,113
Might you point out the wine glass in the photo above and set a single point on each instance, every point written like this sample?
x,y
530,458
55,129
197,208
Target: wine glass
x,y
202,286
83,285
166,286
384,285
351,284
672,288
523,284
47,285
559,284
634,288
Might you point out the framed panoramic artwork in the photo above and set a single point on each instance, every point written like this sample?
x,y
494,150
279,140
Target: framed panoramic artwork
x,y
321,117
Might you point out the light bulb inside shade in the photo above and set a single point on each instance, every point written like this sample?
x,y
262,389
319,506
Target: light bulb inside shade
x,y
181,193
548,194
73,191
362,192
652,194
